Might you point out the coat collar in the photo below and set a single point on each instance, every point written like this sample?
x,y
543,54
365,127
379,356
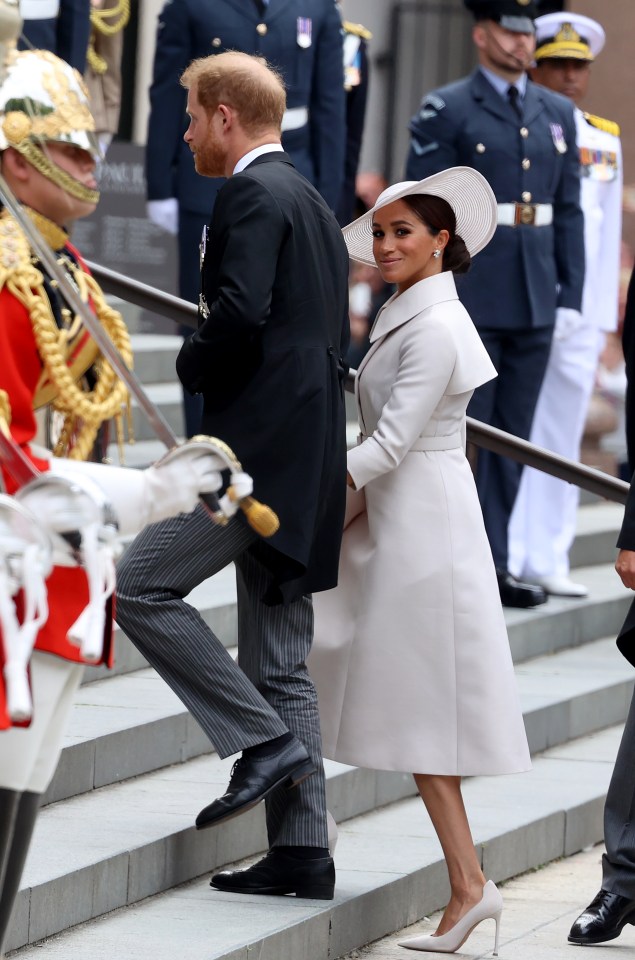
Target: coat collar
x,y
399,309
484,93
271,157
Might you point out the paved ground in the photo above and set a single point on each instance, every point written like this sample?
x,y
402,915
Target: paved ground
x,y
540,907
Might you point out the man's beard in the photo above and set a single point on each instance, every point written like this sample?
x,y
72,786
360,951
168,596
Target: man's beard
x,y
209,159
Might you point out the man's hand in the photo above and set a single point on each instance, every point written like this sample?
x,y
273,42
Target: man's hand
x,y
164,214
625,566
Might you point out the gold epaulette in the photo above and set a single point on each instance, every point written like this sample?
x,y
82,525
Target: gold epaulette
x,y
609,126
357,30
15,253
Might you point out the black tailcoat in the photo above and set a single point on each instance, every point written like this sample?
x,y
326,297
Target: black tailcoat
x,y
268,359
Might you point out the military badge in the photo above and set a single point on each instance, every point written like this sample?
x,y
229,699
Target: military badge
x,y
203,309
304,32
202,247
557,135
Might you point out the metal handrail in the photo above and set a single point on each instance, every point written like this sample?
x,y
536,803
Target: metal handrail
x,y
480,434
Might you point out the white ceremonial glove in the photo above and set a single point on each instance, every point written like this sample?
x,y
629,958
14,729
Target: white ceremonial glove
x,y
568,321
173,484
164,214
241,486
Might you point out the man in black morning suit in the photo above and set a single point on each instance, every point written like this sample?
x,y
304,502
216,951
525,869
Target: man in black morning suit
x,y
613,907
267,360
300,38
522,138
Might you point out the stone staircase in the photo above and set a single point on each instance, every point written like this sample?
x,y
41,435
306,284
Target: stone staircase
x,y
117,869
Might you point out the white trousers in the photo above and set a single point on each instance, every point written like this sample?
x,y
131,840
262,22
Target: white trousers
x,y
28,757
543,521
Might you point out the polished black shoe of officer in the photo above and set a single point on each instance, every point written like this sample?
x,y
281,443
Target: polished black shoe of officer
x,y
259,771
604,919
281,873
516,593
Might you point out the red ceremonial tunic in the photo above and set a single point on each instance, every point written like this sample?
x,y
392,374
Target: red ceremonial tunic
x,y
20,372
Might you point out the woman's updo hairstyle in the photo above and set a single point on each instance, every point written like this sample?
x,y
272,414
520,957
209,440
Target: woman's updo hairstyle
x,y
437,214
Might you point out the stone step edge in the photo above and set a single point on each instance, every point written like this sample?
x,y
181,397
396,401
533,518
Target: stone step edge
x,y
174,737
395,901
558,624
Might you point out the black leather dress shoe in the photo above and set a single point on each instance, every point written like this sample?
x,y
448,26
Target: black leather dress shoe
x,y
252,778
604,919
515,593
278,874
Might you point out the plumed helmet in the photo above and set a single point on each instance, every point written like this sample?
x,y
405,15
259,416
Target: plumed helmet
x,y
44,100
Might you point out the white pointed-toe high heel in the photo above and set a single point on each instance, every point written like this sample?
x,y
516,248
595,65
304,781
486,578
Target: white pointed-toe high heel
x,y
489,907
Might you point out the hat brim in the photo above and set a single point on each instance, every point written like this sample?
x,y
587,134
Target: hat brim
x,y
465,189
562,50
516,24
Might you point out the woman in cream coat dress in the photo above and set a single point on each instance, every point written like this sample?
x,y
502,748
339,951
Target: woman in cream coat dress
x,y
411,657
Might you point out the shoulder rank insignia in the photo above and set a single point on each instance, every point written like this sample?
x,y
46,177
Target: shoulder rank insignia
x,y
609,126
357,30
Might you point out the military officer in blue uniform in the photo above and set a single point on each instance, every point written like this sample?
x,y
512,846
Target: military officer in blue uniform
x,y
61,26
521,137
302,39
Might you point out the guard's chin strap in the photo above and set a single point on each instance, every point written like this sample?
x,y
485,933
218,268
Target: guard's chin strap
x,y
19,638
38,159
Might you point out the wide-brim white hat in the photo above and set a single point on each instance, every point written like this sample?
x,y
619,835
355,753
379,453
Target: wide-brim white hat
x,y
465,189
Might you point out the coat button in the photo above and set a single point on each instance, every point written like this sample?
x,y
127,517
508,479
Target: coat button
x,y
526,196
480,148
524,132
216,42
261,29
526,163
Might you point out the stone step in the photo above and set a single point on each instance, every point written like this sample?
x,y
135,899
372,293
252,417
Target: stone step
x,y
562,622
597,527
128,840
129,725
155,356
169,399
556,625
390,871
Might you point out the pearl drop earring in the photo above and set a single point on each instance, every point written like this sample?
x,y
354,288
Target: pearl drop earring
x,y
436,254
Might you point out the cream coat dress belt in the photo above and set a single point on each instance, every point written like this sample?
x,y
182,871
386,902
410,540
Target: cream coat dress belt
x,y
423,444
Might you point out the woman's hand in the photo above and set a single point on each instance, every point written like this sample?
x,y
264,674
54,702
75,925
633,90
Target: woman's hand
x,y
625,566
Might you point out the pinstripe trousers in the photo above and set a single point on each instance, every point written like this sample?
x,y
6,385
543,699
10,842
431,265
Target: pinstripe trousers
x,y
269,691
618,863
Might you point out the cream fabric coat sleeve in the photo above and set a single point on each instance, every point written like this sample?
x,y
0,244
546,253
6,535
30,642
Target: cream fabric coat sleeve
x,y
426,363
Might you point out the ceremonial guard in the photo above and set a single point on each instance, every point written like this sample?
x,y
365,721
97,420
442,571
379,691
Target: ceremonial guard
x,y
302,39
47,159
522,138
542,526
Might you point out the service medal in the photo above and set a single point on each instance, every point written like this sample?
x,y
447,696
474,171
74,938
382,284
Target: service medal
x,y
557,135
304,31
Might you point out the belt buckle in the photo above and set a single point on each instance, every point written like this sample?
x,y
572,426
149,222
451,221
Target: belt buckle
x,y
525,214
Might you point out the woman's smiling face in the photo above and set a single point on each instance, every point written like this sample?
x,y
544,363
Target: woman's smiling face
x,y
403,246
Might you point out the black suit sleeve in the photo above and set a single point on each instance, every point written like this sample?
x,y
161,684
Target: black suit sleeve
x,y
628,346
626,539
249,230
